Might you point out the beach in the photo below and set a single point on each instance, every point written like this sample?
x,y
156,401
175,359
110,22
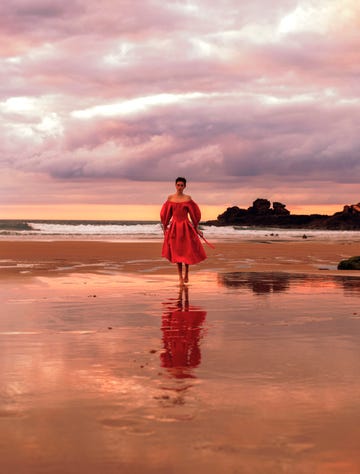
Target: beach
x,y
40,257
107,365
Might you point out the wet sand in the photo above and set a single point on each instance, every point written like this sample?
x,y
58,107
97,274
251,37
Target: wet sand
x,y
108,366
36,258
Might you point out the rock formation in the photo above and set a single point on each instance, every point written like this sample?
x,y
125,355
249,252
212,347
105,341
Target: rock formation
x,y
261,213
352,209
280,209
262,207
352,263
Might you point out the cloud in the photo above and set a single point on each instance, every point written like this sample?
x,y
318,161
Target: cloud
x,y
224,93
210,137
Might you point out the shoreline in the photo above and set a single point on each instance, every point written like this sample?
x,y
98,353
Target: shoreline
x,y
32,258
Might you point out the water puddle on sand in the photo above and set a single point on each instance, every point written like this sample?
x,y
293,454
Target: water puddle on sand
x,y
240,372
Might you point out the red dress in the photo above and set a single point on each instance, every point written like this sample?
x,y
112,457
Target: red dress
x,y
181,241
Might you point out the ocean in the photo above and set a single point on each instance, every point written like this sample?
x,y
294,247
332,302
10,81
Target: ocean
x,y
124,231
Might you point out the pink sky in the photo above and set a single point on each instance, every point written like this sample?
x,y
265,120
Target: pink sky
x,y
104,103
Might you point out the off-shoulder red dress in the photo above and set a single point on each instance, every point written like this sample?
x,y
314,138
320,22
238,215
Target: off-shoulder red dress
x,y
181,241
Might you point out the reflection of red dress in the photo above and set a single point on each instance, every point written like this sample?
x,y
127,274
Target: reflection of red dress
x,y
182,331
181,242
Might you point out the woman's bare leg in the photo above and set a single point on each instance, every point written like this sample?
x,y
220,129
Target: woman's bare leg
x,y
179,269
186,276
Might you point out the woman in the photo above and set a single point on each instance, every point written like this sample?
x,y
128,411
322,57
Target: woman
x,y
181,236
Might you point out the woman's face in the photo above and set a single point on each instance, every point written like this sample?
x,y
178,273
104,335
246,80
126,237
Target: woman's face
x,y
180,186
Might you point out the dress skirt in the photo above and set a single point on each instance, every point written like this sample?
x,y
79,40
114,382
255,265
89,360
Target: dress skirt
x,y
181,241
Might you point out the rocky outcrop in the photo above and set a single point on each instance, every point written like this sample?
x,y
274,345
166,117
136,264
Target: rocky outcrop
x,y
280,209
353,209
262,207
352,263
347,219
261,213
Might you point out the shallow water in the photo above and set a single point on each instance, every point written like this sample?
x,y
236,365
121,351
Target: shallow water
x,y
240,373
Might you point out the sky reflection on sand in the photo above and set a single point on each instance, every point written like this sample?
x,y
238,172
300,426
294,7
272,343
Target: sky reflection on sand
x,y
238,373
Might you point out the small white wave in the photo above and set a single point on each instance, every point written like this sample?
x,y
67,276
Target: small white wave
x,y
94,229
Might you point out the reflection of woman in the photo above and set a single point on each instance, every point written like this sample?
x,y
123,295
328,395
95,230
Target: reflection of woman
x,y
182,328
181,236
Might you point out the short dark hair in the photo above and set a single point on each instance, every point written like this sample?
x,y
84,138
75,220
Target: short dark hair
x,y
181,180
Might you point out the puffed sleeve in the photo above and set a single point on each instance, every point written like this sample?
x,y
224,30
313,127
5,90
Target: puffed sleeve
x,y
195,213
165,214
